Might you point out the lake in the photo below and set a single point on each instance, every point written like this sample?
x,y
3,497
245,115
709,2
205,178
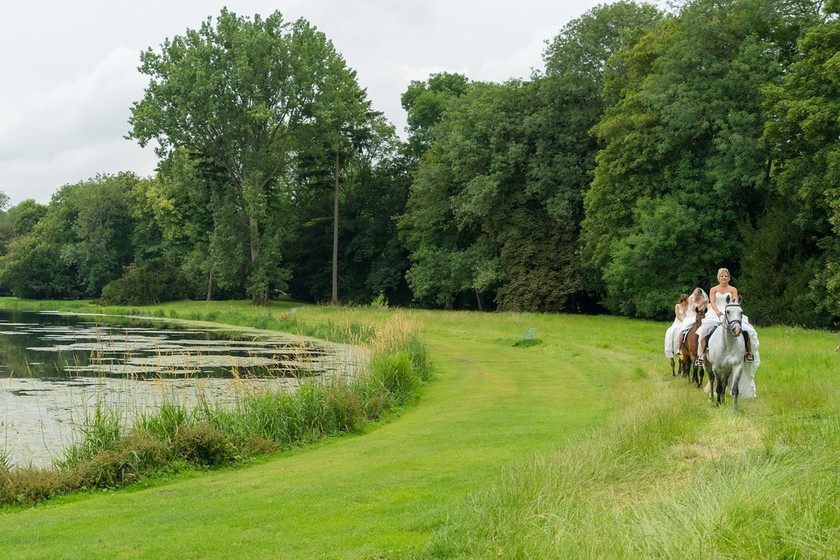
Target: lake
x,y
54,368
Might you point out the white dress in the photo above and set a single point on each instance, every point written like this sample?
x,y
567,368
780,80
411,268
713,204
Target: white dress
x,y
746,387
671,335
688,321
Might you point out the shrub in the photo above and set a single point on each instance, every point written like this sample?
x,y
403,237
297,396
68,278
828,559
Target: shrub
x,y
203,444
106,469
27,485
153,281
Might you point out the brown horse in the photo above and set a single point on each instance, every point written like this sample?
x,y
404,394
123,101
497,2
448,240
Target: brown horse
x,y
689,349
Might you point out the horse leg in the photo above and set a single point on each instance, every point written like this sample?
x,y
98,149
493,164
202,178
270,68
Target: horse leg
x,y
735,379
722,387
700,372
672,368
712,383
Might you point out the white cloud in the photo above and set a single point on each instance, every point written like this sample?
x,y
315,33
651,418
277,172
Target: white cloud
x,y
69,68
72,131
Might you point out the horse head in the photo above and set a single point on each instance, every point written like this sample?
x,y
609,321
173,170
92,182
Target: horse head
x,y
699,315
732,314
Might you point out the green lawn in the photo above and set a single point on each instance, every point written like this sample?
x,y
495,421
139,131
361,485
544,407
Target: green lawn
x,y
518,450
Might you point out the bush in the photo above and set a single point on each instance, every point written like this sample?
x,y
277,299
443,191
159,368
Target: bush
x,y
202,444
27,485
153,281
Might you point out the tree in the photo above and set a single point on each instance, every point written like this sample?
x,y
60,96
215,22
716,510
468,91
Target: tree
x,y
25,215
449,254
81,243
805,134
425,104
233,94
686,127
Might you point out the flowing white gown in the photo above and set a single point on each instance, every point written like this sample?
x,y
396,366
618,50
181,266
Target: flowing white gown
x,y
746,387
672,340
689,319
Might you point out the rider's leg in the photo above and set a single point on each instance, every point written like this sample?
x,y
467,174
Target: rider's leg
x,y
704,345
748,357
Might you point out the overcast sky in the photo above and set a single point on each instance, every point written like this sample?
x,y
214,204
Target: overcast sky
x,y
68,70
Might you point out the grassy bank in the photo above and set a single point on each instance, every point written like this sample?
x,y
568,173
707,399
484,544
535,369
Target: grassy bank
x,y
578,446
175,436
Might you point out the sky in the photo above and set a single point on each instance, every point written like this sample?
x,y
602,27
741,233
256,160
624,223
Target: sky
x,y
68,70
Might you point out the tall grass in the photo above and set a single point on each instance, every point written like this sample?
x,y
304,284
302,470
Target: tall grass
x,y
176,435
674,477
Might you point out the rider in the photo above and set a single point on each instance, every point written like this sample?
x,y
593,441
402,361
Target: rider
x,y
717,297
680,311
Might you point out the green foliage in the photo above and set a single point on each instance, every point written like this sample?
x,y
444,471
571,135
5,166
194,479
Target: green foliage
x,y
268,78
153,281
804,133
75,246
685,132
25,215
425,104
202,444
779,262
644,271
651,151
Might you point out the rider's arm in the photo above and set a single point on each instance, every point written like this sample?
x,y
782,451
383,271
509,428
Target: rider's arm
x,y
677,311
712,298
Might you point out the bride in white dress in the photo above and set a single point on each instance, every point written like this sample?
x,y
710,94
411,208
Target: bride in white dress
x,y
746,387
671,339
697,300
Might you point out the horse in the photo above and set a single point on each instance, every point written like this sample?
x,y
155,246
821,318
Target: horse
x,y
725,354
689,347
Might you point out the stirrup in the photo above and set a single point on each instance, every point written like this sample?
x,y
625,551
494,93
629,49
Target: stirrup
x,y
700,361
749,358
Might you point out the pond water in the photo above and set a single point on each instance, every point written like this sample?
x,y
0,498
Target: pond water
x,y
55,368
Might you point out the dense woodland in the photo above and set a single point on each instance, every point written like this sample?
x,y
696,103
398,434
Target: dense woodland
x,y
651,149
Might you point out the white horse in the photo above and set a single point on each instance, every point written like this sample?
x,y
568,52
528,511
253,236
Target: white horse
x,y
725,354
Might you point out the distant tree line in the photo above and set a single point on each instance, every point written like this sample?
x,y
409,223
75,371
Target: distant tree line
x,y
652,149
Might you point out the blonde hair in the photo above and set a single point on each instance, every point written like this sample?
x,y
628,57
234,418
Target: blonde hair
x,y
721,271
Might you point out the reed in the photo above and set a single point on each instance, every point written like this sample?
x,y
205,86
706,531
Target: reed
x,y
177,435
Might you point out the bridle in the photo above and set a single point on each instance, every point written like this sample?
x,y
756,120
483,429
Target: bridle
x,y
731,323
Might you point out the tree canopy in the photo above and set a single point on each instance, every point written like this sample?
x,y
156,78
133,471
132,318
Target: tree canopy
x,y
651,149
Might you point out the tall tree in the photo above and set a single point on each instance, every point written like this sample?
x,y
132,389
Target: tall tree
x,y
82,242
234,93
425,104
449,253
685,132
805,134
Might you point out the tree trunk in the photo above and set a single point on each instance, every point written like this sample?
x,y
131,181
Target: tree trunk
x,y
450,303
254,241
210,287
258,296
335,236
478,300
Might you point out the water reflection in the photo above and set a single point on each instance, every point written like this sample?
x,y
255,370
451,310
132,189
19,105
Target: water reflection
x,y
55,346
54,368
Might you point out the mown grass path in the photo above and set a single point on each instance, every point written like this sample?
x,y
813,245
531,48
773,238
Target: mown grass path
x,y
375,495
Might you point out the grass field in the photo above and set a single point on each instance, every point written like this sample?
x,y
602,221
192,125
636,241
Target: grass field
x,y
578,446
